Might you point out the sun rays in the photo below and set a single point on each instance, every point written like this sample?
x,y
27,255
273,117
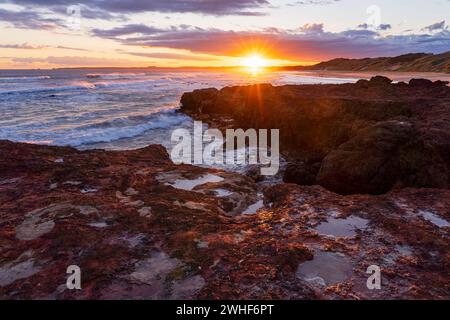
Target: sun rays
x,y
254,63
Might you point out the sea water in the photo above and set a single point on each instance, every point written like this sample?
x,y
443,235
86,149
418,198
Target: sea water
x,y
111,108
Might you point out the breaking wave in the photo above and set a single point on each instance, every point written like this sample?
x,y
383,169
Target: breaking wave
x,y
105,131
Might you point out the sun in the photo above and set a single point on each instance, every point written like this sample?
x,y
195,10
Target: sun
x,y
254,63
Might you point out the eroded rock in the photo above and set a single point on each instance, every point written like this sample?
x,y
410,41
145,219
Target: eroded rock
x,y
184,243
369,137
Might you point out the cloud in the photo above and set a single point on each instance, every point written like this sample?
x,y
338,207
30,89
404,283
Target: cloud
x,y
26,46
170,56
21,46
438,26
70,48
73,61
212,7
126,30
27,19
312,2
312,28
308,43
381,27
384,27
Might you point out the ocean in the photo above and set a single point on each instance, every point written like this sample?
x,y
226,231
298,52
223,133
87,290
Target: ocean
x,y
115,109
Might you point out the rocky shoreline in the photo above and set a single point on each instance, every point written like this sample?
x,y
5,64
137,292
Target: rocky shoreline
x,y
369,137
141,227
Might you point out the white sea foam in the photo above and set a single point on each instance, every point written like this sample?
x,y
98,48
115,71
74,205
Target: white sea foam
x,y
96,108
115,75
24,78
107,131
80,86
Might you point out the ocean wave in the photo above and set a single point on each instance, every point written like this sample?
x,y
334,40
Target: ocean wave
x,y
84,85
106,131
22,79
115,76
81,86
111,132
132,84
101,84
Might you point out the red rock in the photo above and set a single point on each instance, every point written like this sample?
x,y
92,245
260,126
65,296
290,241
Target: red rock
x,y
87,210
369,137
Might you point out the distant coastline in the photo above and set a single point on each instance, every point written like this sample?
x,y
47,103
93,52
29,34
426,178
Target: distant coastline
x,y
411,62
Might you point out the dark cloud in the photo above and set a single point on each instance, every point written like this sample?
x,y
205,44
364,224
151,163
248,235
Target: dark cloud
x,y
309,42
438,26
359,33
312,28
126,30
381,27
213,7
384,27
28,19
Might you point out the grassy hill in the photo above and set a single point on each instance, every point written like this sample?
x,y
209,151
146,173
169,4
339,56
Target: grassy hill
x,y
413,62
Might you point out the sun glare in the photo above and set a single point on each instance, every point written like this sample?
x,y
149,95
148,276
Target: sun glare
x,y
254,63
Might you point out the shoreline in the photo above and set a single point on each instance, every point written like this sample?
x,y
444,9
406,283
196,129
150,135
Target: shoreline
x,y
139,226
164,231
394,75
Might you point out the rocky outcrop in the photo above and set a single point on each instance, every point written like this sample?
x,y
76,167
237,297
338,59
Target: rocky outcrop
x,y
368,137
140,227
130,220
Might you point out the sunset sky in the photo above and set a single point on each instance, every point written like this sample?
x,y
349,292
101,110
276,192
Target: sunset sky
x,y
171,33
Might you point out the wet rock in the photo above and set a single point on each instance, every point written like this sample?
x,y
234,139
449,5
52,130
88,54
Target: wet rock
x,y
347,227
369,137
23,267
183,244
41,221
155,268
380,81
300,173
326,268
101,224
189,184
420,82
254,172
389,231
145,212
255,207
363,83
131,192
183,289
235,194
